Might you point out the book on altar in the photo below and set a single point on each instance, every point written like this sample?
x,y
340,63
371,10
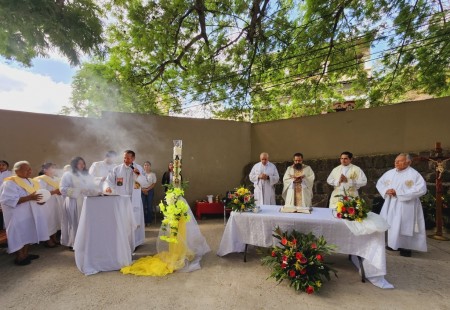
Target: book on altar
x,y
294,209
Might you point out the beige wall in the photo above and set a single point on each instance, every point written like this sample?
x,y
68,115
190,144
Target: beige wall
x,y
409,126
214,152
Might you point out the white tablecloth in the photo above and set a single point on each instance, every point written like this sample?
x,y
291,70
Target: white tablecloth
x,y
257,229
105,235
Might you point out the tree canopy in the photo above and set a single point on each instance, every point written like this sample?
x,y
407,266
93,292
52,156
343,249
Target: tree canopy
x,y
264,60
33,28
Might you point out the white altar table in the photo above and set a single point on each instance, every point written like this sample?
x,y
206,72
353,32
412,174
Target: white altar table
x,y
257,229
105,235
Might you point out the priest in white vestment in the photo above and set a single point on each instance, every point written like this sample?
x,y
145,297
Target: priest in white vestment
x,y
298,183
127,179
100,169
75,184
346,179
264,176
53,207
401,188
25,220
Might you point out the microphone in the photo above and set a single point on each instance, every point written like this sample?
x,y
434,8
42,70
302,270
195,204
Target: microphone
x,y
132,168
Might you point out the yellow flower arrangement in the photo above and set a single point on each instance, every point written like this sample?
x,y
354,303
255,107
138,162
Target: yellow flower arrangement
x,y
174,209
241,200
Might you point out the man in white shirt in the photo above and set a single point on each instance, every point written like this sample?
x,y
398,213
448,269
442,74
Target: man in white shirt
x,y
127,179
100,169
264,176
298,183
401,188
346,179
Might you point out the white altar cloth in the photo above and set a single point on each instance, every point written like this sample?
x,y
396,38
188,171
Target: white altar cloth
x,y
105,235
257,229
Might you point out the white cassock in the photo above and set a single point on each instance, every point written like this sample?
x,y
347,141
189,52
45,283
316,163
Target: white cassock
x,y
404,212
122,181
355,180
264,189
307,186
100,170
25,222
53,207
74,187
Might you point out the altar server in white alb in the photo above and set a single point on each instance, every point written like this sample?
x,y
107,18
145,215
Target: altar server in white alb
x,y
53,207
127,179
100,169
401,188
264,176
25,220
75,184
346,179
298,183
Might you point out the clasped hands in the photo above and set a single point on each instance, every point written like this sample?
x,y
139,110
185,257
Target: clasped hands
x,y
263,176
391,192
343,179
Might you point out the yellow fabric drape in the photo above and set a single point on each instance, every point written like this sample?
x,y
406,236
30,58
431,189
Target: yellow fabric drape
x,y
165,262
48,180
30,188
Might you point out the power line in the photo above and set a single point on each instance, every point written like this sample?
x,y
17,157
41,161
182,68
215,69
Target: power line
x,y
310,74
335,50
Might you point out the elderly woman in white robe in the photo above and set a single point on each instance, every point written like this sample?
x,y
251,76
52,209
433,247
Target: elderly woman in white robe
x,y
75,185
25,220
53,207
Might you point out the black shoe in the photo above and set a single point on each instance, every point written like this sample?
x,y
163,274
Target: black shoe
x,y
22,262
32,256
405,253
390,249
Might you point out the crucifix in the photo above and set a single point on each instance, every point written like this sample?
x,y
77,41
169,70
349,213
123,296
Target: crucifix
x,y
438,159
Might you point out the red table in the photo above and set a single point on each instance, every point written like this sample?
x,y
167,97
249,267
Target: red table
x,y
208,208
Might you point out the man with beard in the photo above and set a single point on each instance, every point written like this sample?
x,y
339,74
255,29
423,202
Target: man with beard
x,y
298,183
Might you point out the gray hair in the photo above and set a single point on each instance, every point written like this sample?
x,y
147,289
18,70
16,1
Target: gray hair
x,y
265,154
19,165
406,155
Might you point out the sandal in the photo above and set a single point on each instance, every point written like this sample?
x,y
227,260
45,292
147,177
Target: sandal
x,y
22,262
32,256
49,244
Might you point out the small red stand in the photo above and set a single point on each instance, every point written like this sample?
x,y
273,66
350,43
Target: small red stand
x,y
208,208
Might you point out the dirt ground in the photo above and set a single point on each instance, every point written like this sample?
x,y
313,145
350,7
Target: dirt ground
x,y
54,282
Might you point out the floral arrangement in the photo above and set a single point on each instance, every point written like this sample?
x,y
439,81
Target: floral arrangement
x,y
351,208
241,200
299,258
174,209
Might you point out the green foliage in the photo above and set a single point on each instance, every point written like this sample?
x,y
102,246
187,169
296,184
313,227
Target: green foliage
x,y
263,60
33,28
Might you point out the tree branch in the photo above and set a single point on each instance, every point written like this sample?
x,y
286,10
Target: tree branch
x,y
177,61
331,45
201,8
180,23
400,52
